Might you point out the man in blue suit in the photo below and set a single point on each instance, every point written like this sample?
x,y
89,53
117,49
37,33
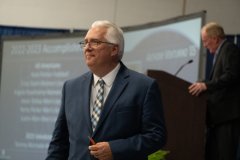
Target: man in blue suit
x,y
131,124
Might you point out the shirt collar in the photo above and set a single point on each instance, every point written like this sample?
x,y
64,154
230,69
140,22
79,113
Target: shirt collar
x,y
220,45
109,78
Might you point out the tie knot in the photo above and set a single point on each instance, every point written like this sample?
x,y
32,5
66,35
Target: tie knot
x,y
101,82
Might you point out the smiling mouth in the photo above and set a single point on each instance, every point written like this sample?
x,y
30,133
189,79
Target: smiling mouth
x,y
89,56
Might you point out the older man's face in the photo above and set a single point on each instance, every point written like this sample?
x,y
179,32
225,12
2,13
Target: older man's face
x,y
98,52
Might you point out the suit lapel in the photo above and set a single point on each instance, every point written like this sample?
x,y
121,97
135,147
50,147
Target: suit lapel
x,y
118,87
86,93
212,73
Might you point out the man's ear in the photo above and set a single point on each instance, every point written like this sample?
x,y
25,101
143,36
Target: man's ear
x,y
115,50
216,39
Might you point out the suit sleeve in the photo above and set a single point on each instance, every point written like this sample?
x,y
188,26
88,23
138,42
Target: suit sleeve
x,y
59,145
152,135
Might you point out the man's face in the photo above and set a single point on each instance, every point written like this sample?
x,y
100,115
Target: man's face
x,y
211,43
98,54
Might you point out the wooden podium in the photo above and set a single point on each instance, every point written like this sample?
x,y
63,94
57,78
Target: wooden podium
x,y
184,115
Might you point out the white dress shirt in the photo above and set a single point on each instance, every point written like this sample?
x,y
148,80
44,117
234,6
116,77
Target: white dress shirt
x,y
108,79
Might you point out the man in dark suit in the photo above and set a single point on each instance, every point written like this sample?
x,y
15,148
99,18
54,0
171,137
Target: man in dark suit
x,y
223,90
131,124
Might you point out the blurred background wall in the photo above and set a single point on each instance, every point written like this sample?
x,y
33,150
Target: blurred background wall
x,y
79,14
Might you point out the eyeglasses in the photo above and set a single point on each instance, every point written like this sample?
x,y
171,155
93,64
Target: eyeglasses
x,y
93,43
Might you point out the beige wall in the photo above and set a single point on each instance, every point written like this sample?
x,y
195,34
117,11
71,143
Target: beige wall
x,y
225,12
79,14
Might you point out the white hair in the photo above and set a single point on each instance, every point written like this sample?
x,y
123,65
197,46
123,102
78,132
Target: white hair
x,y
114,34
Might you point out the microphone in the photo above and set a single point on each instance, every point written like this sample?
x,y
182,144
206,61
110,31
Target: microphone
x,y
180,68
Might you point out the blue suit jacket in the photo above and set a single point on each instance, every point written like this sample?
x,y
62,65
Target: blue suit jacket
x,y
131,120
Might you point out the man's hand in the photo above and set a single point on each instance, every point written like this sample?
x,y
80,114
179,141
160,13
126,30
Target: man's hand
x,y
196,88
101,151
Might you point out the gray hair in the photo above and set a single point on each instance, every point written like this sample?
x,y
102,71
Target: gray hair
x,y
214,30
114,34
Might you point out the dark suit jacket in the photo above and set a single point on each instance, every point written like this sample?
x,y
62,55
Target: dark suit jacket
x,y
224,86
131,121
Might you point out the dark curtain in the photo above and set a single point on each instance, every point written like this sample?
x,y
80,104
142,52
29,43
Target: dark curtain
x,y
238,40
